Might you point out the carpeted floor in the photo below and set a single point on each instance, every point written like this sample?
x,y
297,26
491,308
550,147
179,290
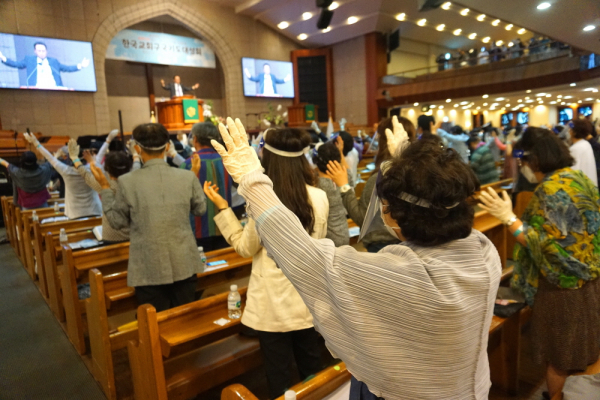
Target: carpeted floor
x,y
37,361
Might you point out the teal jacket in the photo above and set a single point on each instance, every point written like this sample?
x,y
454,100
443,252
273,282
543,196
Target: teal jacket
x,y
484,166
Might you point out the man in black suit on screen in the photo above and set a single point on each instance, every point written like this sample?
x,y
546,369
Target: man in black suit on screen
x,y
176,88
43,71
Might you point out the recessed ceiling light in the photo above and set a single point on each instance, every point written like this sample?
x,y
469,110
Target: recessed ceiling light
x,y
573,84
499,42
416,104
510,44
302,36
543,6
448,100
528,91
334,5
509,27
446,5
568,97
481,17
589,99
441,107
465,12
548,95
563,103
496,22
306,16
508,105
456,105
589,28
559,96
326,29
580,101
527,98
472,36
552,102
352,20
422,22
479,108
519,101
401,17
283,24
521,31
540,94
440,27
432,106
529,101
500,99
462,103
457,32
485,96
486,39
589,89
485,104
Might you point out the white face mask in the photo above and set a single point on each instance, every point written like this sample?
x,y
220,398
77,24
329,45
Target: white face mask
x,y
391,230
528,174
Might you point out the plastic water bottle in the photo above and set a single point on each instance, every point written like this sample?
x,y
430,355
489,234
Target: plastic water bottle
x,y
202,256
34,216
289,395
56,207
63,236
234,303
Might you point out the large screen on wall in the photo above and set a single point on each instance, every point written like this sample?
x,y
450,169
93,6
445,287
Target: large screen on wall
x,y
31,62
267,78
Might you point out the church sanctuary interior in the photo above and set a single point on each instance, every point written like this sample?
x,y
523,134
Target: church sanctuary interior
x,y
300,199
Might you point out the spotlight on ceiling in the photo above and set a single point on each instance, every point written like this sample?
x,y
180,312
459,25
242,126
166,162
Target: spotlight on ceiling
x,y
440,27
422,22
401,17
465,12
426,5
589,28
521,31
283,25
481,17
496,22
302,36
306,16
457,32
352,20
446,5
333,6
543,6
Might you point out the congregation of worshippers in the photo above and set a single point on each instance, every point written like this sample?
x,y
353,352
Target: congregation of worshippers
x,y
396,201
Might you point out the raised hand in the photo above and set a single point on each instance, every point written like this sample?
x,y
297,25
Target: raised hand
x,y
196,164
100,177
499,207
398,139
337,173
73,149
196,86
212,192
171,152
162,82
315,127
31,139
2,58
113,134
89,157
238,157
85,62
131,147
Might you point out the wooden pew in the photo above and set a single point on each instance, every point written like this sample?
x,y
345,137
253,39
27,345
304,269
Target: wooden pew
x,y
47,255
316,388
74,269
6,203
181,352
504,351
111,298
494,230
11,227
25,226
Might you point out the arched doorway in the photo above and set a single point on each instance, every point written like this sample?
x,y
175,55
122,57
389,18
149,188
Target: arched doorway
x,y
195,22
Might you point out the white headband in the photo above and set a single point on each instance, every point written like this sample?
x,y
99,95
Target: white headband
x,y
152,148
283,153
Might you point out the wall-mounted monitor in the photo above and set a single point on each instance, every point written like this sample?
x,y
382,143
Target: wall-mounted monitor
x,y
522,118
268,78
505,119
585,111
565,115
32,62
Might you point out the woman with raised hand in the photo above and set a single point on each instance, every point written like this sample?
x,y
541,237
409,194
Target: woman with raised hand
x,y
412,321
274,308
375,239
80,199
557,256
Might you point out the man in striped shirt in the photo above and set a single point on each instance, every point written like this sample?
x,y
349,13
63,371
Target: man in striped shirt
x,y
212,170
411,322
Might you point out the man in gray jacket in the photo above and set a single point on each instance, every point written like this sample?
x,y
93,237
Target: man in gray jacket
x,y
154,202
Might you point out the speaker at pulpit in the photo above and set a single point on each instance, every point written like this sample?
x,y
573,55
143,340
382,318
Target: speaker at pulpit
x,y
180,112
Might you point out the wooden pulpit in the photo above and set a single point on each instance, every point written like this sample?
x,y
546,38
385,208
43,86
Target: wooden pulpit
x,y
170,113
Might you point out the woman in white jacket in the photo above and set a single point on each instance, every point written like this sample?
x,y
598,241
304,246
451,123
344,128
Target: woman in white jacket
x,y
274,308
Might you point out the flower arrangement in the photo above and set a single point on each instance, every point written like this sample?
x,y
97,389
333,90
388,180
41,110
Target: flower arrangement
x,y
209,116
274,117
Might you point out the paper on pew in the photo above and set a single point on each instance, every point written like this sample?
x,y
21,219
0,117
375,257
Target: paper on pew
x,y
341,393
54,219
84,244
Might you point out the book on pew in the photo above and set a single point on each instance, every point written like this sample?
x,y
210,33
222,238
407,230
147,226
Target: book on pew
x,y
54,219
84,244
97,231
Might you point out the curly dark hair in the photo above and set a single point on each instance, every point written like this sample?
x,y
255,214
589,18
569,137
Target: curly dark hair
x,y
428,171
546,152
325,153
117,163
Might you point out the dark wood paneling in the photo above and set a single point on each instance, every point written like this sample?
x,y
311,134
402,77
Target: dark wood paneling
x,y
375,69
325,75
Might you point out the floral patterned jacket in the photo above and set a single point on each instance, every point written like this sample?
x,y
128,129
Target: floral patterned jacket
x,y
561,225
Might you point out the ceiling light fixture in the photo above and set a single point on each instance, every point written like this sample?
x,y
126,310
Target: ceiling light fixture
x,y
456,105
446,5
481,18
485,104
333,6
306,16
462,103
485,96
472,36
543,6
448,100
496,22
589,99
519,101
440,27
589,89
573,84
540,94
559,96
432,106
589,28
283,24
401,17
500,99
548,95
508,105
510,44
302,36
416,104
326,29
499,42
352,20
527,98
457,32
580,101
521,31
528,91
465,12
552,102
422,22
509,27
486,39
441,107
568,97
